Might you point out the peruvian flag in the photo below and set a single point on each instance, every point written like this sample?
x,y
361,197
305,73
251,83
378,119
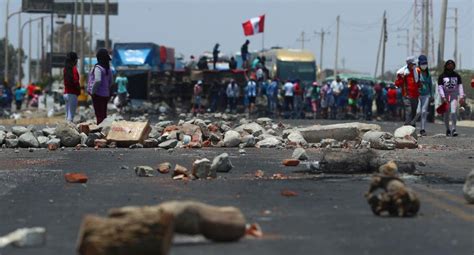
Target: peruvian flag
x,y
254,25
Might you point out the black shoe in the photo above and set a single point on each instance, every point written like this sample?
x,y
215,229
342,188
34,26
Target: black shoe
x,y
454,133
448,132
422,132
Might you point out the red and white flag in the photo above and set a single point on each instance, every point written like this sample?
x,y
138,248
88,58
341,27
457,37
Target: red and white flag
x,y
254,25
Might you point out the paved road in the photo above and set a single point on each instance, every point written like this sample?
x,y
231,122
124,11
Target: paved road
x,y
329,215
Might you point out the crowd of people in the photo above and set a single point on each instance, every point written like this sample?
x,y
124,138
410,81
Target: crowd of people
x,y
408,98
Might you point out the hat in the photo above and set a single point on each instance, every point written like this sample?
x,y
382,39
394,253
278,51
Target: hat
x,y
199,82
411,60
422,60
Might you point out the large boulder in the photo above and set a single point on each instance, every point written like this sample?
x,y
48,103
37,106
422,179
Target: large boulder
x,y
404,131
231,138
339,132
2,137
264,121
43,141
202,169
221,163
297,138
251,128
68,135
468,188
28,140
11,143
19,130
269,142
379,140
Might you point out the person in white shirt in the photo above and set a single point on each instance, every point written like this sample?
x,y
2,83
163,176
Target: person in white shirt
x,y
252,94
232,93
336,87
289,96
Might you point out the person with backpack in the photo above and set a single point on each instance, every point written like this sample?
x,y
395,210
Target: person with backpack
x,y
451,90
426,92
408,79
72,88
99,84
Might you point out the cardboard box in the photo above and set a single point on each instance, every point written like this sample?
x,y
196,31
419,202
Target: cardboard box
x,y
126,133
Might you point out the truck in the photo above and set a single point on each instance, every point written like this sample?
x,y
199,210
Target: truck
x,y
291,64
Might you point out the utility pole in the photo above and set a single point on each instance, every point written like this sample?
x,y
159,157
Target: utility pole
x,y
38,57
42,46
19,50
74,33
83,37
406,37
442,33
321,34
91,34
337,46
29,52
302,40
5,68
378,52
456,35
385,38
107,46
426,27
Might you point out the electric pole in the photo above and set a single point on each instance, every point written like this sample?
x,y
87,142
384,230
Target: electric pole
x,y
107,24
406,37
442,32
29,52
83,37
302,40
385,38
337,46
456,35
5,69
91,34
321,34
426,27
74,29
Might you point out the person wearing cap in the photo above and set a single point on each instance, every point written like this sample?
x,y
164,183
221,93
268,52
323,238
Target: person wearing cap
x,y
197,97
408,79
450,89
100,93
426,92
72,87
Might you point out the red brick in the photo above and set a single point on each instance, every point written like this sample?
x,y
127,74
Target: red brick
x,y
52,146
291,162
75,177
101,143
84,128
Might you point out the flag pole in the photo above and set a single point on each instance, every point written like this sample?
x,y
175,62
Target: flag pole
x,y
263,40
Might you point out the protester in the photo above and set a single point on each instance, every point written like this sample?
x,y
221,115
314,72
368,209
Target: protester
x,y
450,89
192,65
122,92
289,94
252,94
380,97
354,94
367,98
392,101
202,63
315,99
336,88
244,52
426,92
197,93
214,95
100,82
31,92
72,88
232,95
326,100
408,79
272,96
215,55
232,64
298,99
19,97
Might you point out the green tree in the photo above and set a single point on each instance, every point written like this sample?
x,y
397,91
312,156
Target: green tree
x,y
12,61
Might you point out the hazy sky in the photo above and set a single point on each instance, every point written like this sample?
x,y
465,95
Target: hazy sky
x,y
194,26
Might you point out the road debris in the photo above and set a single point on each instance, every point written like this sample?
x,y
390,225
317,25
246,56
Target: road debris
x,y
164,168
291,162
253,230
76,177
289,193
144,171
395,198
221,163
468,188
259,174
25,237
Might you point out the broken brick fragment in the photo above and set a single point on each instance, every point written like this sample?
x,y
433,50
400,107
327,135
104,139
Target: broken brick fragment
x,y
75,177
291,162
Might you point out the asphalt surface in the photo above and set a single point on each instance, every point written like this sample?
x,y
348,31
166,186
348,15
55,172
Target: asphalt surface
x,y
328,216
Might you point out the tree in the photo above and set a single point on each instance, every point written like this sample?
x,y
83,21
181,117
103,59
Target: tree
x,y
12,61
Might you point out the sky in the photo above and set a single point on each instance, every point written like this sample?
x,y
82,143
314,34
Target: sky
x,y
194,26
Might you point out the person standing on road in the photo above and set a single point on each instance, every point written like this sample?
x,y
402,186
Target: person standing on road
x,y
426,92
19,96
272,96
122,92
100,82
408,79
315,99
197,92
392,101
289,94
336,88
244,52
215,55
72,88
232,93
298,99
232,64
251,94
354,95
451,89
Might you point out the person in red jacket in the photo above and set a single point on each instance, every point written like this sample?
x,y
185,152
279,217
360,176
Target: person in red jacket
x,y
392,101
408,79
71,85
